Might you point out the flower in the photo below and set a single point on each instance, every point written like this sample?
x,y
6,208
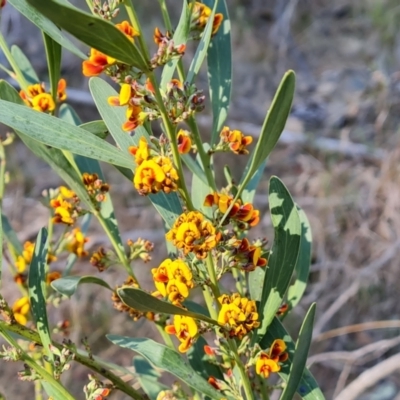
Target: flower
x,y
185,329
65,206
200,15
126,28
43,102
184,141
241,212
97,63
235,140
239,314
76,241
52,276
95,187
246,256
192,233
173,279
21,309
23,260
269,362
141,152
61,93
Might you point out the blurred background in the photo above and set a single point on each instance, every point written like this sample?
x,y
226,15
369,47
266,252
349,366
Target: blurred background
x,y
339,157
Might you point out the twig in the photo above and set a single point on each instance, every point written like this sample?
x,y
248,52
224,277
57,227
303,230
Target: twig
x,y
369,377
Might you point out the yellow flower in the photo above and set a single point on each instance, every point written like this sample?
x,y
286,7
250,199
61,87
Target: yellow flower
x,y
185,329
269,362
64,206
239,314
21,309
173,279
184,141
76,243
193,233
26,257
200,15
141,152
235,139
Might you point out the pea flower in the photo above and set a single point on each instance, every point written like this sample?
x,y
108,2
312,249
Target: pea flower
x,y
25,259
239,314
185,329
21,309
65,206
76,241
235,141
184,141
192,233
200,16
268,363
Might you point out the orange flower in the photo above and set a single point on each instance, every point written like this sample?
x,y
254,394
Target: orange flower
x,y
246,256
52,276
184,141
193,233
96,63
235,139
64,206
126,28
200,15
185,329
269,362
141,152
61,93
239,314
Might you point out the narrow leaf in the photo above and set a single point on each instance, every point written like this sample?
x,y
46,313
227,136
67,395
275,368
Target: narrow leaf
x,y
148,377
37,290
53,132
302,269
273,126
24,65
300,355
256,283
93,31
45,25
69,284
202,48
10,235
250,190
284,253
219,60
308,388
97,128
168,360
145,302
53,55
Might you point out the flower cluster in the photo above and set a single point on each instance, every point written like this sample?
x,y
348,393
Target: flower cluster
x,y
166,49
241,254
233,141
200,16
154,172
36,97
20,309
238,211
66,206
185,329
269,362
182,100
75,242
192,233
25,258
108,10
99,62
173,279
95,187
141,248
238,314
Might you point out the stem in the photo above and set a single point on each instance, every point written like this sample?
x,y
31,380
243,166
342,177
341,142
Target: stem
x,y
171,133
136,25
35,366
81,359
167,338
120,252
19,77
205,158
164,11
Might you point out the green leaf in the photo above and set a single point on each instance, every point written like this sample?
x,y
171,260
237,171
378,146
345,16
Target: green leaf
x,y
145,302
300,355
37,290
302,269
113,117
10,235
168,206
97,128
273,126
1,242
202,48
93,31
85,164
284,253
256,283
148,377
45,25
198,360
308,388
180,37
195,167
53,132
168,360
53,55
69,284
251,188
219,60
24,65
